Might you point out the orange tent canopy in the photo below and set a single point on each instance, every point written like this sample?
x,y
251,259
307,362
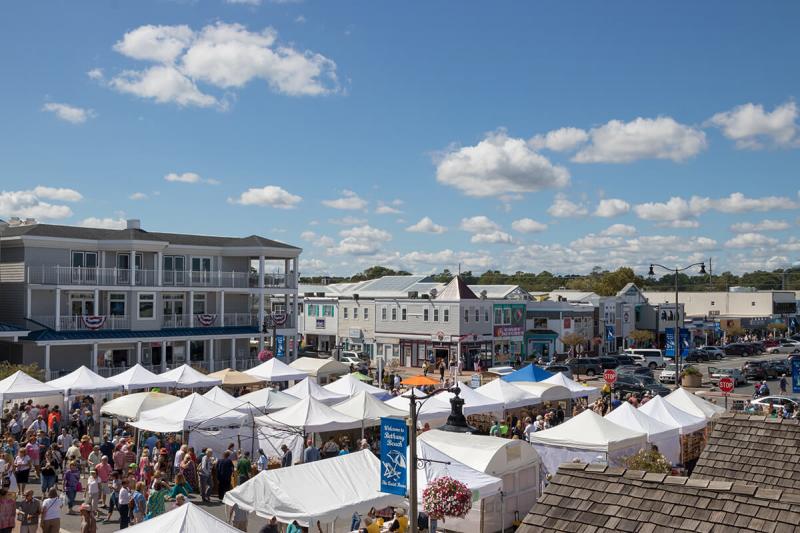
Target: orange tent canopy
x,y
419,381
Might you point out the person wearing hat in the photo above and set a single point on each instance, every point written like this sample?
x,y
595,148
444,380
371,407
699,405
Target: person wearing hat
x,y
88,521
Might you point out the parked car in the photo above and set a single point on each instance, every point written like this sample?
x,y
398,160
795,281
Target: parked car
x,y
697,356
758,370
668,374
715,352
608,362
758,347
627,384
501,370
786,346
737,375
781,366
649,357
738,348
634,370
623,359
555,369
588,366
776,401
353,358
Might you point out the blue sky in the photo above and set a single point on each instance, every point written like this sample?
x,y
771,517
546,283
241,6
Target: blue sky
x,y
537,135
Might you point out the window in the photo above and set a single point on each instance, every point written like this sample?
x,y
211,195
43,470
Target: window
x,y
81,304
327,310
425,314
147,306
466,315
201,264
366,313
486,315
477,315
446,315
394,313
355,313
313,310
84,259
116,304
199,304
383,313
173,304
436,314
344,313
506,316
498,315
712,303
403,314
174,267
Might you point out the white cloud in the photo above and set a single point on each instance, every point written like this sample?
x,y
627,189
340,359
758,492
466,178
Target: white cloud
x,y
348,201
528,225
105,223
478,224
57,193
680,224
389,208
348,221
676,208
138,196
225,56
497,166
595,242
26,204
764,225
446,259
69,113
269,196
641,138
619,230
491,237
300,19
308,235
310,265
361,240
750,240
611,207
750,126
96,74
560,140
564,208
189,177
244,2
739,203
426,225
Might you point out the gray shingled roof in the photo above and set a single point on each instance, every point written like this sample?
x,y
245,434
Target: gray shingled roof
x,y
597,498
754,449
75,232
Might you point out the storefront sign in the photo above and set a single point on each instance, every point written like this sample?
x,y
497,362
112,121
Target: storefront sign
x,y
320,323
355,333
509,320
567,323
508,331
394,469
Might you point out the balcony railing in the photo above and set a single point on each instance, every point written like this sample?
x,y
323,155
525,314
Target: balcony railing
x,y
84,323
115,322
117,277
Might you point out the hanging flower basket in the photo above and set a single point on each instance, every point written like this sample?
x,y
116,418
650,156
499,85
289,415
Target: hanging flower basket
x,y
264,355
445,498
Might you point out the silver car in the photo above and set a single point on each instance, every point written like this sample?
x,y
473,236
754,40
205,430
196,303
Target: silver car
x,y
786,346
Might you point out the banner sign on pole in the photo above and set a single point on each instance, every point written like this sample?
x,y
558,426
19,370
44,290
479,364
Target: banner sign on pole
x,y
280,346
685,341
394,468
795,375
669,348
610,333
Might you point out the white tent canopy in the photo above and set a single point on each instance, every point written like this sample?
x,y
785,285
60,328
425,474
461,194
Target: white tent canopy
x,y
311,415
193,411
329,491
83,381
188,518
309,388
475,403
427,410
665,437
483,453
276,370
269,400
486,485
21,385
364,406
578,390
187,377
130,406
588,437
225,399
138,377
511,396
547,392
349,386
670,415
693,404
320,369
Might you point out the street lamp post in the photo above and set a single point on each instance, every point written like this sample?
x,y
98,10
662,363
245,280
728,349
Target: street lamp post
x,y
677,337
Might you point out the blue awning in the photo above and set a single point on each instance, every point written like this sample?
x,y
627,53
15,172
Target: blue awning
x,y
528,373
46,335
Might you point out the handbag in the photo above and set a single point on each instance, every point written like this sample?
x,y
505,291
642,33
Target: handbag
x,y
79,487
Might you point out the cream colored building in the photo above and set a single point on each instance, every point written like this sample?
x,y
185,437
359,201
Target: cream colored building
x,y
731,304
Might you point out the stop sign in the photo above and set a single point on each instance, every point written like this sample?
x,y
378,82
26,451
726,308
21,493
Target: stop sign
x,y
610,376
726,384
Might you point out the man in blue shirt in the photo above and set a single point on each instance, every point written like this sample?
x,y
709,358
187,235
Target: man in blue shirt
x,y
311,453
150,442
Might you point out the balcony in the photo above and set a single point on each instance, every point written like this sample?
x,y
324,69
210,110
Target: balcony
x,y
114,322
117,277
84,323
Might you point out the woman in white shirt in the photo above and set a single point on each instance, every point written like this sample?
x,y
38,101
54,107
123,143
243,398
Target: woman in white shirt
x,y
22,469
51,512
92,494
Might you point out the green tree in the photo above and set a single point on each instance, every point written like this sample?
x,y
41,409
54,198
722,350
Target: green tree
x,y
6,369
641,337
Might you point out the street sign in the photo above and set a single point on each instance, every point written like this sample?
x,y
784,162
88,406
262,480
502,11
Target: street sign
x,y
610,376
726,385
795,375
394,470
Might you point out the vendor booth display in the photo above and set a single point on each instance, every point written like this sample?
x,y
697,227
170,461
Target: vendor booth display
x,y
234,378
138,377
321,370
269,400
578,390
188,518
587,437
691,428
511,396
665,437
186,377
83,381
328,491
531,373
193,411
276,370
350,385
694,405
308,388
513,462
130,406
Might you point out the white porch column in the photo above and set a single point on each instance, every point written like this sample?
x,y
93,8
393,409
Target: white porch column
x,y
28,303
58,309
222,308
286,270
233,352
159,267
190,307
211,355
260,304
94,356
46,362
139,352
188,349
97,302
132,266
164,355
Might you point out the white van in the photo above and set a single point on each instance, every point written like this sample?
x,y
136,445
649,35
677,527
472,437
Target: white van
x,y
652,358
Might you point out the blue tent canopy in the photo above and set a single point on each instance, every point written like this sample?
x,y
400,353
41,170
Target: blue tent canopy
x,y
528,373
